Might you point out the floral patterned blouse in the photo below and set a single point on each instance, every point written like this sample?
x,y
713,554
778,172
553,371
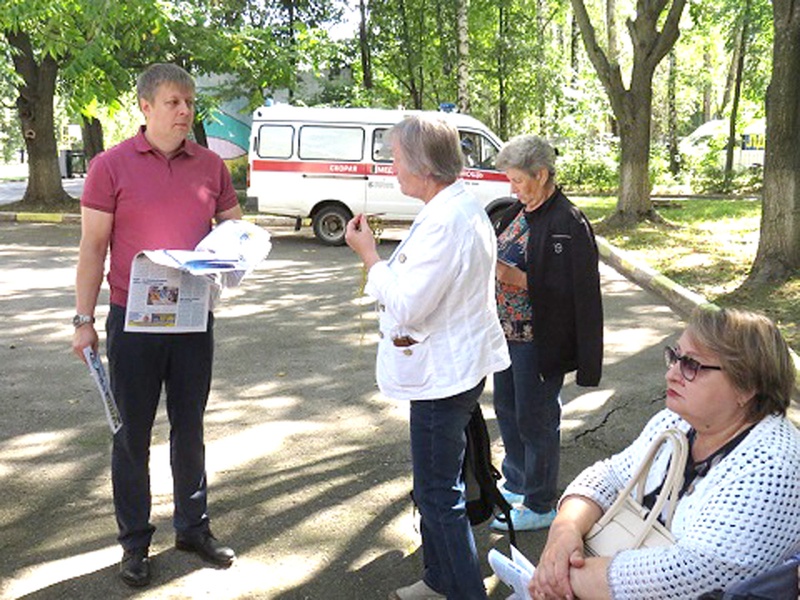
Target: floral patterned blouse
x,y
513,305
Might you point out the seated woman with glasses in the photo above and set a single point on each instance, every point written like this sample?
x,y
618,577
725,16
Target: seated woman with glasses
x,y
730,379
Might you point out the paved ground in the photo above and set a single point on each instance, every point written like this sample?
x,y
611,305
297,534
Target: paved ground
x,y
308,464
13,183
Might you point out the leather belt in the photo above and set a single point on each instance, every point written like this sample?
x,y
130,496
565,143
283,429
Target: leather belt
x,y
404,341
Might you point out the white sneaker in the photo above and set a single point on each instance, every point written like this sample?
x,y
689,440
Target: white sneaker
x,y
417,591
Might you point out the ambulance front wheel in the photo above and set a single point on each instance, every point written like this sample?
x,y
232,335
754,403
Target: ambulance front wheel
x,y
330,223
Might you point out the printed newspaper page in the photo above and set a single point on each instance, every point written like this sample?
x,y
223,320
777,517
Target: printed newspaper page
x,y
98,373
515,572
171,290
165,300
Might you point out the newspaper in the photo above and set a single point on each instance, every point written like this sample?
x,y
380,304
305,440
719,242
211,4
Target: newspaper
x,y
515,572
171,291
98,373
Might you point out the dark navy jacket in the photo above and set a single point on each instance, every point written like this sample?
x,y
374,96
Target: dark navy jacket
x,y
564,288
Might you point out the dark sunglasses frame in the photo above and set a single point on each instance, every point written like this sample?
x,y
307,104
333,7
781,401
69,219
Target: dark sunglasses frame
x,y
689,366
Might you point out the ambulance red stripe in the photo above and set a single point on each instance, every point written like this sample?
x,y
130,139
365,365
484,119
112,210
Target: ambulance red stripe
x,y
344,168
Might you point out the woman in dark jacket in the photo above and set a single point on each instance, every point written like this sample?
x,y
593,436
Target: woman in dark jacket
x,y
548,297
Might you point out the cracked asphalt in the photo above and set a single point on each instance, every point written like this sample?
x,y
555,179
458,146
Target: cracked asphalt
x,y
308,465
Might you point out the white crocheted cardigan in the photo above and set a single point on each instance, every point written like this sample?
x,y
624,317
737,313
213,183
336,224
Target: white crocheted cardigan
x,y
742,519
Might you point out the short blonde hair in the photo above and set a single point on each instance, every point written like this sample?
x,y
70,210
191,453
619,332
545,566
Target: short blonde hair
x,y
431,146
752,353
158,74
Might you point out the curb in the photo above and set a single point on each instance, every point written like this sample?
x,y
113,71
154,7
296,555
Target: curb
x,y
682,300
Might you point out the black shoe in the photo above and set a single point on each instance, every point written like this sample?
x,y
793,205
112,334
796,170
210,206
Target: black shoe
x,y
135,567
208,548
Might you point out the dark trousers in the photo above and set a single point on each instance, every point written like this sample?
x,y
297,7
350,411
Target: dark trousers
x,y
140,364
438,443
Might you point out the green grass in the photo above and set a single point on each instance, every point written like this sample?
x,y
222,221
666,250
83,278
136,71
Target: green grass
x,y
708,247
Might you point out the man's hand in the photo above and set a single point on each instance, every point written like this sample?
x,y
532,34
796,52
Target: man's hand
x,y
84,336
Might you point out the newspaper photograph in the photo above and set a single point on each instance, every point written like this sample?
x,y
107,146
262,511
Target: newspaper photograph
x,y
165,300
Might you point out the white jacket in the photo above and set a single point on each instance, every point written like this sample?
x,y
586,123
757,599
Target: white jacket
x,y
742,518
438,288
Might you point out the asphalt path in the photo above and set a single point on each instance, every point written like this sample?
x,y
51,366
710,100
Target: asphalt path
x,y
308,464
12,191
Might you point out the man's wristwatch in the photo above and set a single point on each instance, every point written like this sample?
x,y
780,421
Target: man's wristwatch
x,y
79,320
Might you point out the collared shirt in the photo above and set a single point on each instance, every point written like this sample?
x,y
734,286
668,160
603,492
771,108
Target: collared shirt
x,y
438,289
157,202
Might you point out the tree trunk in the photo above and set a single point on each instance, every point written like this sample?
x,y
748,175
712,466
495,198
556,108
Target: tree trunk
x,y
672,117
414,89
633,204
463,56
653,35
574,42
92,133
363,43
778,255
613,50
707,84
730,78
502,101
36,116
737,92
199,131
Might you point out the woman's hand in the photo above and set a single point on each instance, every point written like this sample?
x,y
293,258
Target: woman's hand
x,y
511,275
562,557
359,237
563,551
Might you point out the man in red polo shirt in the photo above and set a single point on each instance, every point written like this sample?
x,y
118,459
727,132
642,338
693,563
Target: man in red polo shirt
x,y
155,190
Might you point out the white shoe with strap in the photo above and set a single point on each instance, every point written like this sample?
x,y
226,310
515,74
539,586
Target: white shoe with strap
x,y
416,591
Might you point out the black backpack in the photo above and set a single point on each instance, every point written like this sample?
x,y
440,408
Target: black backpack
x,y
484,499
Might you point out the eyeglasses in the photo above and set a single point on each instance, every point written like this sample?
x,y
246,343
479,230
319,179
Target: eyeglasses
x,y
689,366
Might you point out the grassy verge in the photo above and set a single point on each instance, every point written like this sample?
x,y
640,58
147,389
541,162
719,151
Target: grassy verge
x,y
709,250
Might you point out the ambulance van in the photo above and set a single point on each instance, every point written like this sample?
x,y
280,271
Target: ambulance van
x,y
328,164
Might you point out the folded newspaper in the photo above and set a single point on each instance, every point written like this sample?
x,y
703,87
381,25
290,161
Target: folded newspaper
x,y
171,291
233,248
100,378
515,572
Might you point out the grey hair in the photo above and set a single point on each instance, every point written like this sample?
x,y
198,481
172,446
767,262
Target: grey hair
x,y
528,153
431,146
158,74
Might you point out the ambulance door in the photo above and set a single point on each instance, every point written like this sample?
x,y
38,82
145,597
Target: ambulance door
x,y
480,174
384,197
331,159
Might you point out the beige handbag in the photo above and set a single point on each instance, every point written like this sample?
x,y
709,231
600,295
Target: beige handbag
x,y
627,524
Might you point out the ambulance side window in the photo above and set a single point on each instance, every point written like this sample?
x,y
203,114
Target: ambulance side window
x,y
319,142
479,151
381,150
275,141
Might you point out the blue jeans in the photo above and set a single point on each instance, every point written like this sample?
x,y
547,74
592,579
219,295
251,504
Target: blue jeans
x,y
140,364
528,409
438,443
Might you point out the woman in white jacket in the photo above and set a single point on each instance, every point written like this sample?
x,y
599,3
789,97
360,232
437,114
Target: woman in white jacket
x,y
440,338
730,380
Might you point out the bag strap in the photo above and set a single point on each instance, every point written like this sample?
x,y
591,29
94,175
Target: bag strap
x,y
669,491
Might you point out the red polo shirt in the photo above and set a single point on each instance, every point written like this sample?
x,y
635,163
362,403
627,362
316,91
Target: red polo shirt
x,y
157,203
